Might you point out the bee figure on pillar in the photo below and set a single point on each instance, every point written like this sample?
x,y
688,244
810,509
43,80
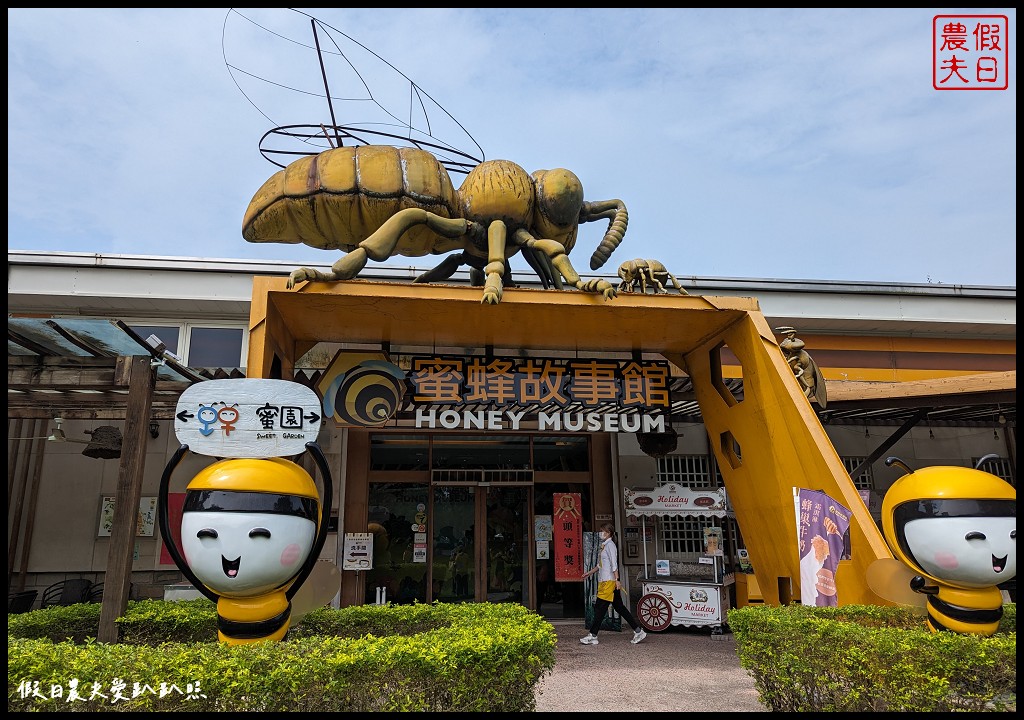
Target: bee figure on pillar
x,y
812,382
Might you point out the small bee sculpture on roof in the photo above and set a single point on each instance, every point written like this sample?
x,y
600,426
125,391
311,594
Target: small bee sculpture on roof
x,y
646,272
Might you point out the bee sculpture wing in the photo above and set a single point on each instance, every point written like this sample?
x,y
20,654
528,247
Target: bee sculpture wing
x,y
819,384
371,101
323,583
890,579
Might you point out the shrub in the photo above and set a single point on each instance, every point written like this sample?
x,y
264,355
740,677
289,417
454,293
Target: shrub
x,y
455,658
873,659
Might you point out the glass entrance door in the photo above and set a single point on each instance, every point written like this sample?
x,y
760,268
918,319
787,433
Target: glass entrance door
x,y
454,576
508,543
481,543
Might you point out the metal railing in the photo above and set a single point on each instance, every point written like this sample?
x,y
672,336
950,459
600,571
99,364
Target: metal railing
x,y
479,476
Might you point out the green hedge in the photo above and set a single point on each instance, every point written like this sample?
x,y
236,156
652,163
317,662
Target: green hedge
x,y
456,658
860,658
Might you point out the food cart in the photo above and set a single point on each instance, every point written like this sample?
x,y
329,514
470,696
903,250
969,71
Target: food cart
x,y
694,596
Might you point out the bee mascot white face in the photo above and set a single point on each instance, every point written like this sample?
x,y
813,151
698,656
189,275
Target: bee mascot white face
x,y
247,528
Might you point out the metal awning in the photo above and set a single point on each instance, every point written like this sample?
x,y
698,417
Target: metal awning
x,y
75,368
88,337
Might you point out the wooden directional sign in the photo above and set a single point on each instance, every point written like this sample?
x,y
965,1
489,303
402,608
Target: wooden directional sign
x,y
247,418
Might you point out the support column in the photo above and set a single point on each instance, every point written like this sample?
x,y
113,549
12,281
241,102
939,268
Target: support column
x,y
137,373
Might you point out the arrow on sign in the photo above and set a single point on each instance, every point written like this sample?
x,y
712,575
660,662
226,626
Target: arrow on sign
x,y
184,415
313,417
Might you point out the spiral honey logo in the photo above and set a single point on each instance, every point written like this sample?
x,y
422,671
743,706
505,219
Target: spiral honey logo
x,y
362,389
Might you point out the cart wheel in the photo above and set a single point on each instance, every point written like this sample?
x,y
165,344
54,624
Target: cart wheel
x,y
654,612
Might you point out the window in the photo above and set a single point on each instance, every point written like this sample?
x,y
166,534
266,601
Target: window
x,y
215,347
481,452
684,534
390,452
688,470
398,572
200,346
565,453
168,335
1000,467
865,480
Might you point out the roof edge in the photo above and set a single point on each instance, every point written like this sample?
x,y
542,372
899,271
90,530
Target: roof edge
x,y
283,267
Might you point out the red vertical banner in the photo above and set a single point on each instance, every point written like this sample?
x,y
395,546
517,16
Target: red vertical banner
x,y
175,503
567,526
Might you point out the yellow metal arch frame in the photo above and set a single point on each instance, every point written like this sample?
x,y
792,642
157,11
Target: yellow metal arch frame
x,y
766,443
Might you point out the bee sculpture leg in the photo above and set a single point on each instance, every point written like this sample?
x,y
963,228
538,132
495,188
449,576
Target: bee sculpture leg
x,y
646,277
541,265
628,278
494,271
675,283
556,252
659,287
444,270
381,244
643,273
447,267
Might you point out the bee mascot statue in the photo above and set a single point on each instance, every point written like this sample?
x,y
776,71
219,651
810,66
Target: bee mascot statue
x,y
252,530
954,530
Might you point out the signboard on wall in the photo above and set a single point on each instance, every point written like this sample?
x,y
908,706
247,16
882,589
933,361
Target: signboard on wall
x,y
145,521
713,541
498,393
567,527
676,500
642,385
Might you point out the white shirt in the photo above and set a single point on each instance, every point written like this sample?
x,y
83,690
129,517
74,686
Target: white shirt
x,y
608,561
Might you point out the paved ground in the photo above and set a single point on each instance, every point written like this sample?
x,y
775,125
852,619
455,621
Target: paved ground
x,y
679,669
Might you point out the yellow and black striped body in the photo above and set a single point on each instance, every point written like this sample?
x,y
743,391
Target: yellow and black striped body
x,y
253,619
976,610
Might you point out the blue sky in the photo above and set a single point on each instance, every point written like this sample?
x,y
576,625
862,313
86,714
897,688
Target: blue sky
x,y
776,143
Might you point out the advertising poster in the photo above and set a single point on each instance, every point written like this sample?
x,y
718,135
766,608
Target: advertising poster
x,y
713,541
744,560
567,529
821,525
542,527
145,522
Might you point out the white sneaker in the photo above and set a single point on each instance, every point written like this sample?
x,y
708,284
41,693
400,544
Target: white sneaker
x,y
638,635
590,639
